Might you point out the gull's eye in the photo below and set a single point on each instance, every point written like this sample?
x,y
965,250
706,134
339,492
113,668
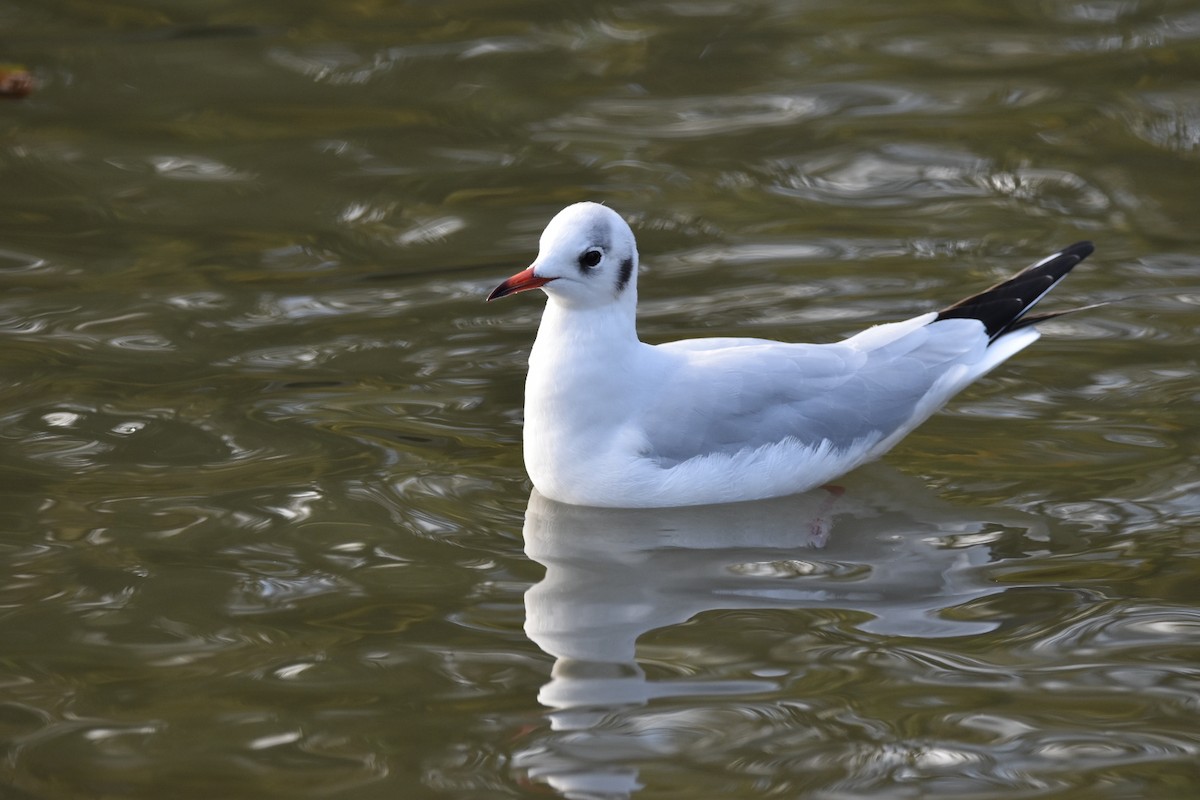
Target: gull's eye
x,y
590,258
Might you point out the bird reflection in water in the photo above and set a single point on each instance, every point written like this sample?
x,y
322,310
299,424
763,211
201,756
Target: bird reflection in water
x,y
880,545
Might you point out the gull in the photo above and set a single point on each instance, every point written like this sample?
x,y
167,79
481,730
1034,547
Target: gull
x,y
611,421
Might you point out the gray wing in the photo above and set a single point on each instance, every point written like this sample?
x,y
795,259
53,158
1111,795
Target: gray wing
x,y
723,399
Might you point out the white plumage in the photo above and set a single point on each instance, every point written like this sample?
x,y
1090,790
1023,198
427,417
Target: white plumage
x,y
612,421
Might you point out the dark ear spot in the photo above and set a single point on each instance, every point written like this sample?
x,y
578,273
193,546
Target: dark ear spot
x,y
625,274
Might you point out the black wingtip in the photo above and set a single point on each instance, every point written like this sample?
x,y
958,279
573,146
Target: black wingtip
x,y
1001,307
1080,250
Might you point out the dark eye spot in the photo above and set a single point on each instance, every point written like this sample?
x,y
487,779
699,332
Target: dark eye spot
x,y
590,258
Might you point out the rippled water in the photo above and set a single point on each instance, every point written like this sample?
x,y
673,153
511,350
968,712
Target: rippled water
x,y
266,532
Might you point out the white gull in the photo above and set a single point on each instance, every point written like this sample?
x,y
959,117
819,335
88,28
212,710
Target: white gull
x,y
611,421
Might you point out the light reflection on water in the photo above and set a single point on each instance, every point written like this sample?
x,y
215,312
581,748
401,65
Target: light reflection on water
x,y
906,567
886,558
263,495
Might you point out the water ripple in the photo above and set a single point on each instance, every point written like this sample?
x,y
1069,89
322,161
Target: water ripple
x,y
262,530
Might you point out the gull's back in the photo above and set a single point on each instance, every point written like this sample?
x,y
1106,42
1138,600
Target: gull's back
x,y
723,396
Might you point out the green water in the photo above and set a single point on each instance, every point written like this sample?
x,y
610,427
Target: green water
x,y
265,529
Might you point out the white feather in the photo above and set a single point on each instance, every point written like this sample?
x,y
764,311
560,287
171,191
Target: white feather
x,y
612,421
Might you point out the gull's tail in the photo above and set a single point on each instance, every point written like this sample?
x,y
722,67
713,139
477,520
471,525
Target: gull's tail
x,y
1003,308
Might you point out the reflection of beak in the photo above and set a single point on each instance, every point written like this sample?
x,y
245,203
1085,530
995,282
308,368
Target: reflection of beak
x,y
521,282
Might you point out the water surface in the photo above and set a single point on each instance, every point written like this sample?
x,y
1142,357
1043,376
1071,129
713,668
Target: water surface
x,y
266,531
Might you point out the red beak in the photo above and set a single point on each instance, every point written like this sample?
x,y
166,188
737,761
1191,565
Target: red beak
x,y
521,282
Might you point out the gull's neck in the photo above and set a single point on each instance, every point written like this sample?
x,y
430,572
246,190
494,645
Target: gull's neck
x,y
581,370
572,332
583,385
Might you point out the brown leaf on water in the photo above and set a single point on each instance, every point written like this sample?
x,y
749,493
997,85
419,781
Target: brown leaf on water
x,y
15,83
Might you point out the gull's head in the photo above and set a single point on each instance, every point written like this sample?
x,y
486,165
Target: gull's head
x,y
587,257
